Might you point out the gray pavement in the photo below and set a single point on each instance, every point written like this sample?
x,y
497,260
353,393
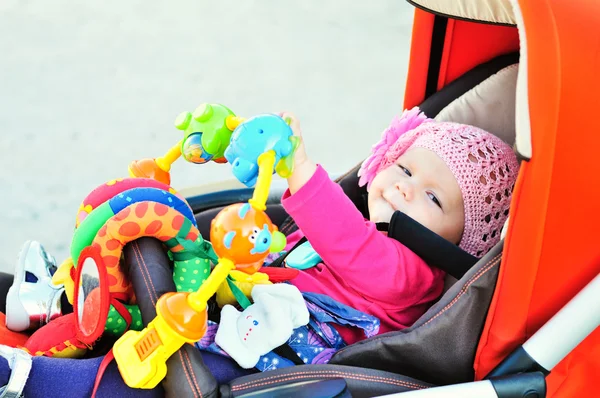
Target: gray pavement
x,y
86,87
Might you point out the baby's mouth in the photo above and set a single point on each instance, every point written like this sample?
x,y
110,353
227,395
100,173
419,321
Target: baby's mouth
x,y
394,207
391,203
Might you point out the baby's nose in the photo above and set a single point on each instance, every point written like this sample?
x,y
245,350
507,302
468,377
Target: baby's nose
x,y
406,189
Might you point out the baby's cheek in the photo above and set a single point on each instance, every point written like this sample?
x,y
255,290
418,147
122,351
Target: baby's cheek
x,y
431,221
448,230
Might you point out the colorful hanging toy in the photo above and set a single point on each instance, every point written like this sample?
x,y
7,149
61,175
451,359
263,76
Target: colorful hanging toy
x,y
208,136
145,204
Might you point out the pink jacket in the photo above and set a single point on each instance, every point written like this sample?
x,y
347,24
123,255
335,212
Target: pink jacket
x,y
362,267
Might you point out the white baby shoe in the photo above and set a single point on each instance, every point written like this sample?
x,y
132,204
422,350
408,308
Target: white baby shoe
x,y
33,300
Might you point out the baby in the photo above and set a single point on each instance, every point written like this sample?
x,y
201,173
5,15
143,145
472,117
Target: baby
x,y
454,179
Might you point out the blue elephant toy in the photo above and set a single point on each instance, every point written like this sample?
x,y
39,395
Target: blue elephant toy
x,y
255,136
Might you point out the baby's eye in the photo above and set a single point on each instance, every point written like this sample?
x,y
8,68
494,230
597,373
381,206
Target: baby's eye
x,y
405,170
434,199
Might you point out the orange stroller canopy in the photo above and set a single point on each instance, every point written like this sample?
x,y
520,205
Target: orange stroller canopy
x,y
551,250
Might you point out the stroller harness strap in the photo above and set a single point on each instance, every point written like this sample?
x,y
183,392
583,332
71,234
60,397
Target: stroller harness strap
x,y
432,248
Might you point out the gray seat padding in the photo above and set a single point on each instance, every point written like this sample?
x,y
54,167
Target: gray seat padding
x,y
440,346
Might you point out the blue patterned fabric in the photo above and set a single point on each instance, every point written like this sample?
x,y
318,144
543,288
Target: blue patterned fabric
x,y
314,343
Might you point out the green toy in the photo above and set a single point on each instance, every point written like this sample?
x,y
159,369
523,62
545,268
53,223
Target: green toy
x,y
207,132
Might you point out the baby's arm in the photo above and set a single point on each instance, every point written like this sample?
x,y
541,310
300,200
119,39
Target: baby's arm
x,y
363,257
353,248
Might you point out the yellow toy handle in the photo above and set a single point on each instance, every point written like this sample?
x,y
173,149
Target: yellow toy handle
x,y
180,318
233,121
165,162
266,162
199,298
157,169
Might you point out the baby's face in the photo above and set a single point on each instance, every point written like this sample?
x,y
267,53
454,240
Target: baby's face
x,y
420,185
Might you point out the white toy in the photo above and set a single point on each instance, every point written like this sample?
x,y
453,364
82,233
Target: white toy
x,y
265,325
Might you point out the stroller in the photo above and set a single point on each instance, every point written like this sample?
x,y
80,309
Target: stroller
x,y
521,321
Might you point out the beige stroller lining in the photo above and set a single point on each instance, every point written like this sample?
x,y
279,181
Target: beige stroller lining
x,y
490,105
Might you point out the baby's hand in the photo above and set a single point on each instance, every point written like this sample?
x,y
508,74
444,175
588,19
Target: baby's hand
x,y
291,119
304,168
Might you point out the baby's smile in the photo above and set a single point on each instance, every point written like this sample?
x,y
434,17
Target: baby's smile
x,y
393,200
421,186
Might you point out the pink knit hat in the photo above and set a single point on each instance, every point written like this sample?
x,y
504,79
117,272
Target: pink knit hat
x,y
484,166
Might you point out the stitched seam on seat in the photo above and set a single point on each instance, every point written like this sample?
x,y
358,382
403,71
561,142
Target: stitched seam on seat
x,y
301,377
185,371
147,279
186,357
331,374
287,226
493,262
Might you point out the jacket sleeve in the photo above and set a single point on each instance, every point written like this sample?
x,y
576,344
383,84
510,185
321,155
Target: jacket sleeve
x,y
361,257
